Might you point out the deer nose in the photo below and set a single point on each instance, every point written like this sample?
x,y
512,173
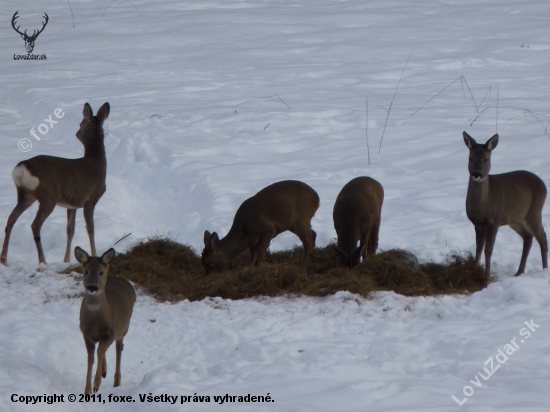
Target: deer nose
x,y
91,288
476,175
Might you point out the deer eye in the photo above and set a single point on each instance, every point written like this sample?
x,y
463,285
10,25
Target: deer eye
x,y
484,160
471,159
86,272
101,273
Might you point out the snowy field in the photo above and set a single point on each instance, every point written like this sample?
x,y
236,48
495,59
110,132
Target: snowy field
x,y
212,101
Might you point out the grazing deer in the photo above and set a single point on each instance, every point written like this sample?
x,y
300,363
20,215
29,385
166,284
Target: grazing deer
x,y
70,183
515,199
104,314
356,216
287,205
29,40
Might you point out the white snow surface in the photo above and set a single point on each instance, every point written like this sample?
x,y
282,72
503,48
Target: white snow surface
x,y
212,101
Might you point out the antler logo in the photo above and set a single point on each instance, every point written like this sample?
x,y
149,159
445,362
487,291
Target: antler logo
x,y
29,40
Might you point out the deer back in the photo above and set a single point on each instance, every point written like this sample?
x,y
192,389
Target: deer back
x,y
357,207
278,207
70,182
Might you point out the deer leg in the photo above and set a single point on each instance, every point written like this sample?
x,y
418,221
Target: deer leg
x,y
489,244
23,203
308,237
71,216
527,242
104,367
481,234
364,244
44,210
90,348
89,218
101,349
373,238
543,242
261,247
119,349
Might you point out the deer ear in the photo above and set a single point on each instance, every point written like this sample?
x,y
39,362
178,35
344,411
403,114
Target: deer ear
x,y
108,256
80,255
214,240
469,140
207,236
492,142
87,112
103,112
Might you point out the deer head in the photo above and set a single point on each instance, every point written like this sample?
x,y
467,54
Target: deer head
x,y
29,40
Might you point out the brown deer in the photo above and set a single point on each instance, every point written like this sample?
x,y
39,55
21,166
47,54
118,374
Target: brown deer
x,y
515,199
356,214
70,183
104,314
287,205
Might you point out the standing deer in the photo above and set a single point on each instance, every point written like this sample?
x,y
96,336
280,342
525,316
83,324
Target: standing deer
x,y
70,183
104,314
515,199
287,205
356,216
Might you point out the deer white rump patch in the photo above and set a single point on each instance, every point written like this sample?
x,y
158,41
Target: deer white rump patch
x,y
23,178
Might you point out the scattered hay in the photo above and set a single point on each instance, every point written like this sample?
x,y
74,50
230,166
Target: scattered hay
x,y
171,272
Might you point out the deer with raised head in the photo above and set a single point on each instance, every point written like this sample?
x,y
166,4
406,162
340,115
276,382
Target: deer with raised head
x,y
29,40
287,205
104,314
514,199
69,183
356,214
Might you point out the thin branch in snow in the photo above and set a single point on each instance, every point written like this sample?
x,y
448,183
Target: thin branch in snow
x,y
391,104
265,97
367,129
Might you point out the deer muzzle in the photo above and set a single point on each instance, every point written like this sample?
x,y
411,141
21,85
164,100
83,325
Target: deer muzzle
x,y
92,289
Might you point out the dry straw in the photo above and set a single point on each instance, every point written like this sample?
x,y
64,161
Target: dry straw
x,y
170,271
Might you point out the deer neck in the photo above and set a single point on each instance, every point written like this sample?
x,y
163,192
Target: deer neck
x,y
478,195
95,304
233,244
95,147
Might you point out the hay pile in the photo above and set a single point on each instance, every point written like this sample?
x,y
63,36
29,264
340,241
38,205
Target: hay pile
x,y
170,271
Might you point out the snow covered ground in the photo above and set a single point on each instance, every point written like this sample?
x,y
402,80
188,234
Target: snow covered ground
x,y
212,101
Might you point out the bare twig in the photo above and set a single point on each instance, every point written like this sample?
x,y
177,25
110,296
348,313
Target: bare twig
x,y
540,121
265,97
478,116
529,39
496,123
463,81
116,0
488,92
391,104
367,129
267,126
122,238
72,15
